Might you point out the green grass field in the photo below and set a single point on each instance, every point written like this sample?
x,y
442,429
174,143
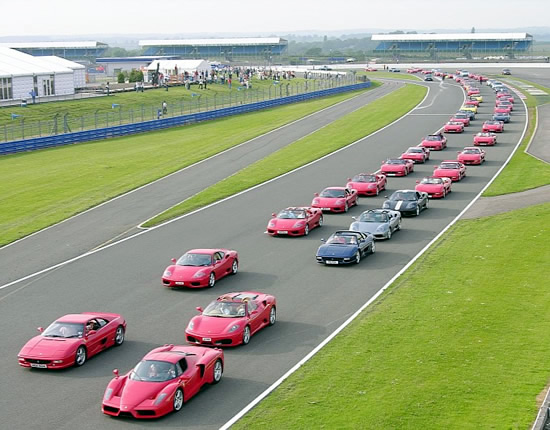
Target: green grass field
x,y
40,188
382,74
460,341
336,135
523,172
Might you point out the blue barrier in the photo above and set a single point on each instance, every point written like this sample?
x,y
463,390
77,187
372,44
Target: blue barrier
x,y
33,144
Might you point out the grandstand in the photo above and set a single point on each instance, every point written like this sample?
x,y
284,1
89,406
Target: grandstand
x,y
230,49
463,44
88,50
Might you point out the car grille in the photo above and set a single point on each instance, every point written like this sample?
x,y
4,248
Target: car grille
x,y
110,409
165,282
32,360
146,413
126,414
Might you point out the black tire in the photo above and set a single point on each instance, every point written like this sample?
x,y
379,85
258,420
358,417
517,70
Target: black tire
x,y
417,210
321,221
358,257
235,267
426,205
346,207
373,247
246,335
306,229
177,403
272,315
211,280
398,225
119,336
81,356
389,233
217,372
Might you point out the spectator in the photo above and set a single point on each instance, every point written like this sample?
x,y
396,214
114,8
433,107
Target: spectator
x,y
164,108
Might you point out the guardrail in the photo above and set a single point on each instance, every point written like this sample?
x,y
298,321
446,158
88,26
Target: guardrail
x,y
161,123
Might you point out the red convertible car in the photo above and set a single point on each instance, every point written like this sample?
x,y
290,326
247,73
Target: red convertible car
x,y
505,96
335,199
471,91
486,138
396,167
162,381
72,339
471,155
418,154
453,127
435,187
367,184
493,126
471,102
201,268
232,319
296,221
502,109
450,169
461,117
504,102
435,142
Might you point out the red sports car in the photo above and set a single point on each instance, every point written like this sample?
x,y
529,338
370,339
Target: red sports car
x,y
471,102
201,268
471,155
453,127
502,109
505,96
493,126
418,154
472,91
367,184
72,339
461,117
396,167
232,319
450,169
504,102
296,221
486,138
162,381
436,187
371,69
335,199
435,142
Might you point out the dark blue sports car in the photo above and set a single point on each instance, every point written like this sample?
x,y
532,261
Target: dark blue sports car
x,y
504,117
345,247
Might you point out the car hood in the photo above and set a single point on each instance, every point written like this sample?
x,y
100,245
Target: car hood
x,y
429,188
368,227
40,346
446,172
469,156
328,201
182,273
399,204
337,250
206,325
281,223
133,393
393,167
361,185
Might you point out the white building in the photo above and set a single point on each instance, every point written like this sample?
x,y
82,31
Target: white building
x,y
22,74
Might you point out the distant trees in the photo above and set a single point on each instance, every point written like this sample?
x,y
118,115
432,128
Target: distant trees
x,y
133,76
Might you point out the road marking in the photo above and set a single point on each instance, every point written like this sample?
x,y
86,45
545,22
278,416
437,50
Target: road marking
x,y
304,360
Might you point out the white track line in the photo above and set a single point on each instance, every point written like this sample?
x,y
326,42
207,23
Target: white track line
x,y
9,284
279,381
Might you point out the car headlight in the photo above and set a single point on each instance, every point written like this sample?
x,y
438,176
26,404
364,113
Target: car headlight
x,y
108,394
200,274
316,201
234,327
271,224
167,273
191,325
160,398
299,224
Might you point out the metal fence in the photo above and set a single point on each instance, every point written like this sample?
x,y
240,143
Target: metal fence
x,y
116,130
60,124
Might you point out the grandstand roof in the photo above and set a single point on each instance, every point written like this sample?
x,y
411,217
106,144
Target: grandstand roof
x,y
16,63
246,41
450,36
65,45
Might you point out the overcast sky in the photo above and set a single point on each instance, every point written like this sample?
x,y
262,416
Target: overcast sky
x,y
258,17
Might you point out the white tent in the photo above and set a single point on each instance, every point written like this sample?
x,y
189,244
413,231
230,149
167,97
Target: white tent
x,y
169,67
79,71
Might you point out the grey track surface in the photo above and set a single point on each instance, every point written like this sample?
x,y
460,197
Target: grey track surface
x,y
540,146
120,217
312,300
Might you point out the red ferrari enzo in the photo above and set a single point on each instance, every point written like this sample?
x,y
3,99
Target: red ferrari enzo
x,y
367,184
335,199
72,339
485,139
162,381
435,142
418,154
453,127
450,169
493,126
232,319
396,167
435,187
471,155
201,268
295,221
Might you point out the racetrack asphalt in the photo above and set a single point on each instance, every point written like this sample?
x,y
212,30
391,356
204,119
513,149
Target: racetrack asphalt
x,y
120,217
312,300
540,146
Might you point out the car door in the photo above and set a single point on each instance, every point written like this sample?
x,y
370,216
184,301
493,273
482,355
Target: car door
x,y
191,379
219,264
254,310
96,337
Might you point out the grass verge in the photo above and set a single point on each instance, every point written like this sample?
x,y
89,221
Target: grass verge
x,y
460,341
374,75
523,172
40,188
338,134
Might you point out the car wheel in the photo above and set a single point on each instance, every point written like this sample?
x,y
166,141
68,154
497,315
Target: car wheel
x,y
377,190
234,267
119,336
346,207
444,193
398,225
178,400
321,220
358,257
389,233
417,210
306,230
217,372
272,315
373,247
246,335
80,356
426,205
212,280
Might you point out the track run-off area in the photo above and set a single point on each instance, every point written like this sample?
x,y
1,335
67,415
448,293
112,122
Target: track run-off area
x,y
312,300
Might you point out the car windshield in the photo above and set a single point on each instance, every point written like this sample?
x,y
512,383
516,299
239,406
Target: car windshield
x,y
400,195
433,137
364,178
292,214
153,371
449,166
454,123
492,122
225,309
340,239
395,161
373,217
460,115
431,181
414,151
64,329
192,259
331,192
471,151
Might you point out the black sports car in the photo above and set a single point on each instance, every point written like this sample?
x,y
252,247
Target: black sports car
x,y
408,202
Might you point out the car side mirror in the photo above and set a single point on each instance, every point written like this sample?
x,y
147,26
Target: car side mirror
x,y
316,194
417,182
173,260
273,214
323,240
91,332
40,329
386,197
115,372
349,179
199,309
354,217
